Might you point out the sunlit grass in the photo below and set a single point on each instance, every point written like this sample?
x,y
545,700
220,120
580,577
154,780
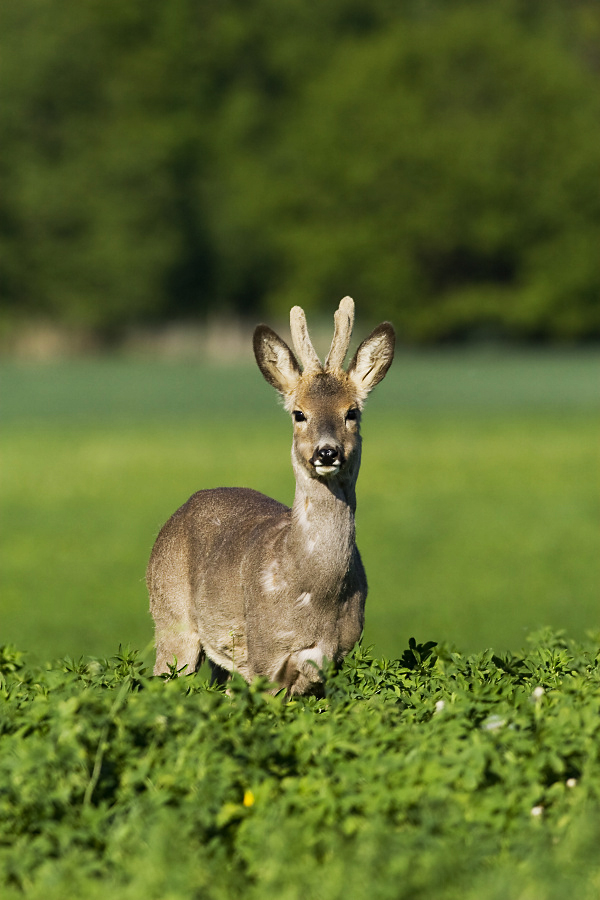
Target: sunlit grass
x,y
481,531
476,525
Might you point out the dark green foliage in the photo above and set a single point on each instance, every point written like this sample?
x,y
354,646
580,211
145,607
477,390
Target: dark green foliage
x,y
432,775
437,160
440,171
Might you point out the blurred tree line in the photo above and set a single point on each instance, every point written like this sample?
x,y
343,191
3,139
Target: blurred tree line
x,y
437,159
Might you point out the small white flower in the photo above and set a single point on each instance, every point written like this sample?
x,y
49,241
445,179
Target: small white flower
x,y
571,782
538,692
537,811
439,706
493,723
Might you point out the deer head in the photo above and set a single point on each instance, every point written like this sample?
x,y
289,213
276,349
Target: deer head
x,y
324,400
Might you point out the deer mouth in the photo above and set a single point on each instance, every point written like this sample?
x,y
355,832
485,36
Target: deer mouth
x,y
327,461
324,469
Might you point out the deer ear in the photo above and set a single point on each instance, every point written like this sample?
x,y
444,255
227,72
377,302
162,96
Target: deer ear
x,y
275,360
373,358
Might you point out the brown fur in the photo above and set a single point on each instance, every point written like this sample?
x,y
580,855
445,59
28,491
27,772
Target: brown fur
x,y
255,586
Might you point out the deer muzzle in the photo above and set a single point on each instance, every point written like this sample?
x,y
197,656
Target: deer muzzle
x,y
328,459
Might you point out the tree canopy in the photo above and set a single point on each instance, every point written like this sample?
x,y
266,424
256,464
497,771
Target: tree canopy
x,y
437,160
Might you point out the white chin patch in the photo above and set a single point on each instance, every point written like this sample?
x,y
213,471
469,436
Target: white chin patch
x,y
326,470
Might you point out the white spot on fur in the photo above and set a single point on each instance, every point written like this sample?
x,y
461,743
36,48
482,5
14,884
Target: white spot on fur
x,y
269,578
303,600
304,510
312,654
285,635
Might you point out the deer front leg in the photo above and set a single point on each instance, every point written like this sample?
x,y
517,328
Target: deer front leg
x,y
179,646
299,673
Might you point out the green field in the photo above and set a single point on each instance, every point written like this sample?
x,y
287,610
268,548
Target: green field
x,y
477,500
440,775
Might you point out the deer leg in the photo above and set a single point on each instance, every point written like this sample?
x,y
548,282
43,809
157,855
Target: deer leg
x,y
182,648
218,675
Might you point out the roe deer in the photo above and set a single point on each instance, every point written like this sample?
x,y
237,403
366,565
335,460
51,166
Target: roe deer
x,y
257,587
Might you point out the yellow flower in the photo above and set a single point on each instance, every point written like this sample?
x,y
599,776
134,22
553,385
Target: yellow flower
x,y
248,797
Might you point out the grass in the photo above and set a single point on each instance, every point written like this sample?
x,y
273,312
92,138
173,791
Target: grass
x,y
440,775
478,495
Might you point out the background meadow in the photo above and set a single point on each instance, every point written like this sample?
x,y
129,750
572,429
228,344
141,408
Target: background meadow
x,y
477,499
172,171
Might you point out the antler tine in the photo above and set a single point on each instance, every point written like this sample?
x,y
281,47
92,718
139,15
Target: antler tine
x,y
344,320
305,351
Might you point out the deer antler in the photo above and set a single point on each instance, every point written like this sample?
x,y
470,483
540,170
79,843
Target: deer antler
x,y
305,351
344,320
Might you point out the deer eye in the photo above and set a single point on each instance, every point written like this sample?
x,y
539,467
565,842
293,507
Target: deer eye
x,y
299,416
352,415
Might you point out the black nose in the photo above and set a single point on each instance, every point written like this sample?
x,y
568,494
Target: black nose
x,y
327,455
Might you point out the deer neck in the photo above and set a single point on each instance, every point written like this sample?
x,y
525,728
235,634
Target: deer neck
x,y
323,528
